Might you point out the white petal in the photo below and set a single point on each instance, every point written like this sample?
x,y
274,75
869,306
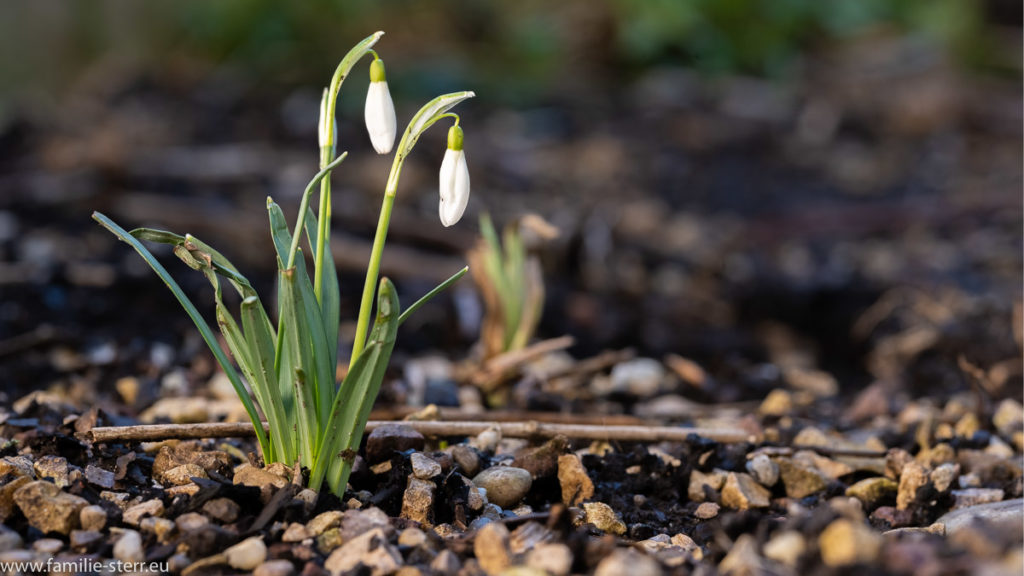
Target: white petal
x,y
454,187
380,117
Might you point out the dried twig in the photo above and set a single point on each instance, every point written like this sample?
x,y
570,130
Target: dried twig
x,y
448,414
532,429
498,368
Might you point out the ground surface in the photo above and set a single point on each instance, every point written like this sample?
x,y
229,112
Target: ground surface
x,y
831,267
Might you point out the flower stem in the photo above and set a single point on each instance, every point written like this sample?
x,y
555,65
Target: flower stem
x,y
327,155
323,230
373,269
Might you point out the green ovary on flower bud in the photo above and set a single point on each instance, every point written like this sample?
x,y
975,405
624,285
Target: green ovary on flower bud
x,y
454,180
381,123
455,137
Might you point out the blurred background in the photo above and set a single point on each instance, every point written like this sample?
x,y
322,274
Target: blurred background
x,y
751,185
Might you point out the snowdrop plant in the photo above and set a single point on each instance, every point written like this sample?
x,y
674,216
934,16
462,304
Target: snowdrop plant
x,y
290,362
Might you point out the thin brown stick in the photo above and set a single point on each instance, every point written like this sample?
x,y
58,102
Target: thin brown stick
x,y
447,414
533,429
499,368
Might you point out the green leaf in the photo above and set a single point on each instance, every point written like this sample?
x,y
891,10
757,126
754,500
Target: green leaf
x,y
430,295
319,369
279,232
240,350
201,325
344,429
515,263
260,340
158,236
295,367
330,306
221,265
197,255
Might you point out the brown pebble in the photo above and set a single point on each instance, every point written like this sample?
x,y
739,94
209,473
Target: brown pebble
x,y
707,510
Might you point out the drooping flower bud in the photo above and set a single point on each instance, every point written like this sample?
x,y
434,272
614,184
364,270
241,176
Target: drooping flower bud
x,y
454,180
380,110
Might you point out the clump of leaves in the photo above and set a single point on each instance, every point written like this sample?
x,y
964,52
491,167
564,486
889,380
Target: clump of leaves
x,y
511,284
291,364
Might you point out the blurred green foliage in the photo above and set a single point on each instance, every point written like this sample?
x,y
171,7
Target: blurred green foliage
x,y
518,48
767,38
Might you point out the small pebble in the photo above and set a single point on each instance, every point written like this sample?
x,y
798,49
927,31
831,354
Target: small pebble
x,y
872,491
552,558
786,547
741,492
191,521
49,546
128,547
93,518
371,549
488,440
491,548
325,520
976,496
706,510
505,485
247,554
160,527
424,467
763,469
133,515
604,518
467,459
627,561
296,533
418,501
99,477
384,441
84,539
411,537
275,568
222,509
846,542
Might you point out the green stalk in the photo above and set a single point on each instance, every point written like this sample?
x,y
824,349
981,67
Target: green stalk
x,y
327,155
430,113
321,178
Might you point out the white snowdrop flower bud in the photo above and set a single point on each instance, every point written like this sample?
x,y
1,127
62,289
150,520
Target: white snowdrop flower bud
x,y
454,180
380,110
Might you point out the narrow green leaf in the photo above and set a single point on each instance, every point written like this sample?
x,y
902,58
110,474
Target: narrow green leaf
x,y
201,325
282,238
330,306
319,369
430,295
344,429
221,265
297,372
279,232
515,262
158,236
260,341
240,351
